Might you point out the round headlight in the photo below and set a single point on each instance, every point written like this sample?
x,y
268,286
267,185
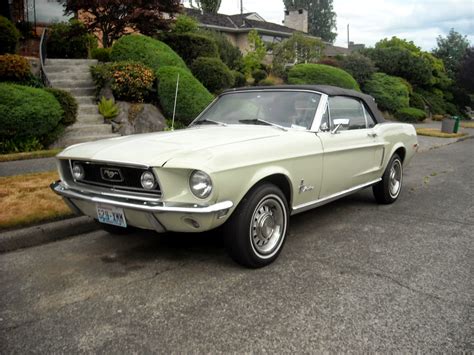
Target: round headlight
x,y
200,184
78,171
148,180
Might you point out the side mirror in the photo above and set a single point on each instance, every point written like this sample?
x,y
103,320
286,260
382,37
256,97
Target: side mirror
x,y
338,123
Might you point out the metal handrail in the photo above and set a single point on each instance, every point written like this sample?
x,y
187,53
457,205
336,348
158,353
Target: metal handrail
x,y
43,54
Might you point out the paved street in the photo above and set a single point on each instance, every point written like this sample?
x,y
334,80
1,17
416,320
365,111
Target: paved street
x,y
353,276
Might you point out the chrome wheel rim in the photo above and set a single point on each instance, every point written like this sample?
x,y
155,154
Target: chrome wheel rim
x,y
395,179
268,226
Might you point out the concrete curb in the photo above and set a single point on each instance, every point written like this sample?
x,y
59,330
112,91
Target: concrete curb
x,y
46,233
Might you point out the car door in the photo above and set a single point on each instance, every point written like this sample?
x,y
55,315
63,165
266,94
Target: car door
x,y
352,152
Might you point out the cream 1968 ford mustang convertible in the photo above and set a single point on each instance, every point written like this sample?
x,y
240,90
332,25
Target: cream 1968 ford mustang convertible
x,y
254,157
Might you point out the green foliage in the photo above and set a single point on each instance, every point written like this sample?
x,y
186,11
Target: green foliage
x,y
416,101
146,50
390,92
108,108
20,145
410,114
452,50
320,74
321,17
229,54
184,24
266,82
69,40
297,49
27,113
101,54
239,79
129,81
333,62
14,68
434,100
359,66
396,42
259,75
9,36
465,77
68,104
191,46
256,53
213,74
208,6
193,97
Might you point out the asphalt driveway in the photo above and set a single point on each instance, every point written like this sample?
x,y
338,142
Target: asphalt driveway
x,y
353,276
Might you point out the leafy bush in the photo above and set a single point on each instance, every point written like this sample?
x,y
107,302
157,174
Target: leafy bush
x,y
213,74
129,81
27,113
266,82
434,100
390,92
416,101
148,51
20,145
229,54
332,62
239,79
14,68
101,54
359,66
69,40
321,74
68,104
191,46
184,24
259,75
108,108
9,36
410,114
193,97
256,54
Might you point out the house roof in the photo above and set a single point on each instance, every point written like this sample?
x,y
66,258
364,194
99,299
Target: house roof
x,y
237,23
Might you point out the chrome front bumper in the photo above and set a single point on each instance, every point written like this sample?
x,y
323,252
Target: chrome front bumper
x,y
136,203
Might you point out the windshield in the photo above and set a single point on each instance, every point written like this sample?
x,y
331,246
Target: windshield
x,y
290,109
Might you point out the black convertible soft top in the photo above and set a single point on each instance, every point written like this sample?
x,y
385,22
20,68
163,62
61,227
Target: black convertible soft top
x,y
325,89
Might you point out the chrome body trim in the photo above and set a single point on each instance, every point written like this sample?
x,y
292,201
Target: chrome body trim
x,y
313,204
137,203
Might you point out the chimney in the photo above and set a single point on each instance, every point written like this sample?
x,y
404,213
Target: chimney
x,y
297,20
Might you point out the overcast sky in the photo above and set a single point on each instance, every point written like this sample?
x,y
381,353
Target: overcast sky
x,y
420,21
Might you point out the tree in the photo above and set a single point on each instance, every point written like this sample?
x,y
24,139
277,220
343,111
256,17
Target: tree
x,y
209,6
466,71
321,17
452,50
256,53
112,17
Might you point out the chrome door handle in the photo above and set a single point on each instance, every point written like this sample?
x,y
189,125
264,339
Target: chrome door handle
x,y
372,134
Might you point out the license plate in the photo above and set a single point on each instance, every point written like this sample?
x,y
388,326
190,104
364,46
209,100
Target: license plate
x,y
111,215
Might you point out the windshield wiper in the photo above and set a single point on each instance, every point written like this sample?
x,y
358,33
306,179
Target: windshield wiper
x,y
206,120
259,120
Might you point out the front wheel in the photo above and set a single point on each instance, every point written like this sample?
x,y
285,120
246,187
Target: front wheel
x,y
256,231
388,190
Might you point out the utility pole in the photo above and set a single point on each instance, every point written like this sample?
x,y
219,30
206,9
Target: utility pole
x,y
241,7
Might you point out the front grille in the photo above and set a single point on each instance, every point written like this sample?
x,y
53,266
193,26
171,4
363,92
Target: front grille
x,y
95,173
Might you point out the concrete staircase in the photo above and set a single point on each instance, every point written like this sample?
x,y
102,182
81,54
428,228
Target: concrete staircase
x,y
73,75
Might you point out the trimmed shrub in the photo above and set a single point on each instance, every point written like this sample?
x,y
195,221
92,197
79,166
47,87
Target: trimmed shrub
x,y
14,68
359,66
146,50
321,74
184,24
191,46
259,75
9,36
68,104
101,54
416,101
410,114
390,92
193,97
129,81
27,112
69,40
239,79
213,74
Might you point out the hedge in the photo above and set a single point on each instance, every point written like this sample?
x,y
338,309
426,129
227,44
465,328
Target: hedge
x,y
390,92
191,46
68,104
193,97
213,74
410,114
27,112
69,40
146,50
9,36
320,74
101,54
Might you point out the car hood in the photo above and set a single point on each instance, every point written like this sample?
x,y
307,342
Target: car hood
x,y
155,149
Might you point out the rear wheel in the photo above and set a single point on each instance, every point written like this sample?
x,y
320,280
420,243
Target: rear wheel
x,y
388,190
257,229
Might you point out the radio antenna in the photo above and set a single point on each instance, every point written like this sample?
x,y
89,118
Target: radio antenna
x,y
175,101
